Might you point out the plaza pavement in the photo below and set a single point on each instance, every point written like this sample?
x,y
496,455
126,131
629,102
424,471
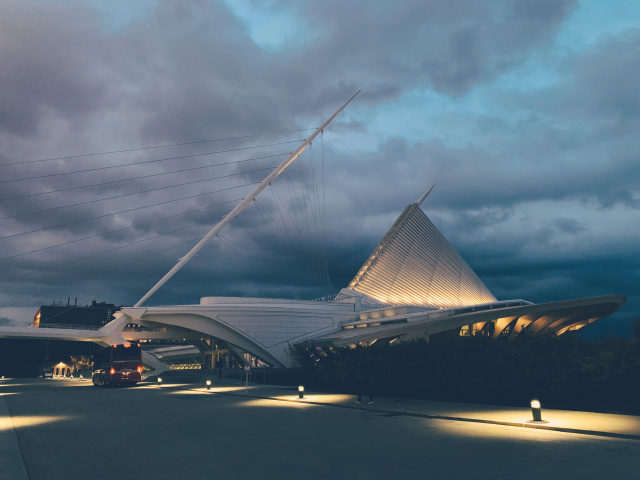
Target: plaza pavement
x,y
49,428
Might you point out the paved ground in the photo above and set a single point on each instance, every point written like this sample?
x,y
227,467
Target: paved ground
x,y
67,429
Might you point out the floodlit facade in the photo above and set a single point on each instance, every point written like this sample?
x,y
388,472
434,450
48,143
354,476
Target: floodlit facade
x,y
415,265
413,285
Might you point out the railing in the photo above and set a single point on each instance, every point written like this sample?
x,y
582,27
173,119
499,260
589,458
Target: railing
x,y
489,306
239,374
156,329
68,326
265,376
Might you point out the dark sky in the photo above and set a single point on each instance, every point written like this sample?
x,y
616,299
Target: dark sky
x,y
525,113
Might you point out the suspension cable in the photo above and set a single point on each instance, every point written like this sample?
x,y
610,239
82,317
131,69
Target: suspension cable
x,y
128,150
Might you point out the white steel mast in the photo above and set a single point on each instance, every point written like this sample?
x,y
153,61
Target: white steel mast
x,y
242,205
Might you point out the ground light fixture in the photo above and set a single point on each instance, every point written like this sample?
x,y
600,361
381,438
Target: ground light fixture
x,y
536,410
208,382
300,391
159,381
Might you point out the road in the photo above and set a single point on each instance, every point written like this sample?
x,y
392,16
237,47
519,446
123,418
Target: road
x,y
68,429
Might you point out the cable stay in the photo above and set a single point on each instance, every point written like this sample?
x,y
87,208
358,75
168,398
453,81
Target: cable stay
x,y
284,219
129,150
130,194
119,230
242,205
284,224
109,167
302,217
129,179
71,264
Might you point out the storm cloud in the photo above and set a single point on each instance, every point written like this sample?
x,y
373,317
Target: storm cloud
x,y
532,143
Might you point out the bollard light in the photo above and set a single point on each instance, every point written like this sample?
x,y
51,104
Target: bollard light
x,y
536,410
300,391
208,384
159,381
